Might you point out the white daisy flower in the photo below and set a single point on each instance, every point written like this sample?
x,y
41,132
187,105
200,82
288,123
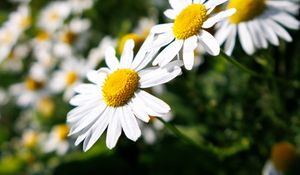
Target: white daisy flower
x,y
57,140
68,36
115,99
54,15
182,37
29,92
71,73
14,61
256,23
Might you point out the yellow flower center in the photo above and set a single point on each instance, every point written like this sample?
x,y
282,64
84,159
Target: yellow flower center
x,y
42,36
69,37
283,155
119,87
33,85
29,139
189,21
246,9
138,40
71,77
46,106
61,131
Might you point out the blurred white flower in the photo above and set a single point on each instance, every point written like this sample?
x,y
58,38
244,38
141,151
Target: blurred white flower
x,y
78,6
14,61
71,73
66,37
57,140
32,88
54,15
151,130
256,23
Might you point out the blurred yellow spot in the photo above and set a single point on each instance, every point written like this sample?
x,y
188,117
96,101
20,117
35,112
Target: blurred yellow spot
x,y
68,37
53,16
189,21
61,131
46,106
71,77
119,87
138,41
42,36
26,22
30,139
283,155
32,84
246,9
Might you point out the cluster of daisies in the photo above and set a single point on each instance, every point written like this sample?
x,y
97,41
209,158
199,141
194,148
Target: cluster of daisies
x,y
118,98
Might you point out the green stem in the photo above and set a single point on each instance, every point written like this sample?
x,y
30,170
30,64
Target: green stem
x,y
221,153
295,84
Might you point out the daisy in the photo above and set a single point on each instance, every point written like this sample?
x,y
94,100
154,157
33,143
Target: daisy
x,y
116,98
68,36
256,23
182,37
32,89
57,140
54,15
282,156
71,73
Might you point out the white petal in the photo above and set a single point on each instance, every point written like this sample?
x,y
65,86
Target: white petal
x,y
260,34
111,59
162,28
127,55
188,52
170,14
168,53
230,42
86,88
138,100
114,131
96,77
218,17
138,111
88,119
155,103
129,124
211,4
159,76
245,39
162,40
97,130
269,33
223,32
81,99
280,31
209,43
287,6
286,20
254,35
